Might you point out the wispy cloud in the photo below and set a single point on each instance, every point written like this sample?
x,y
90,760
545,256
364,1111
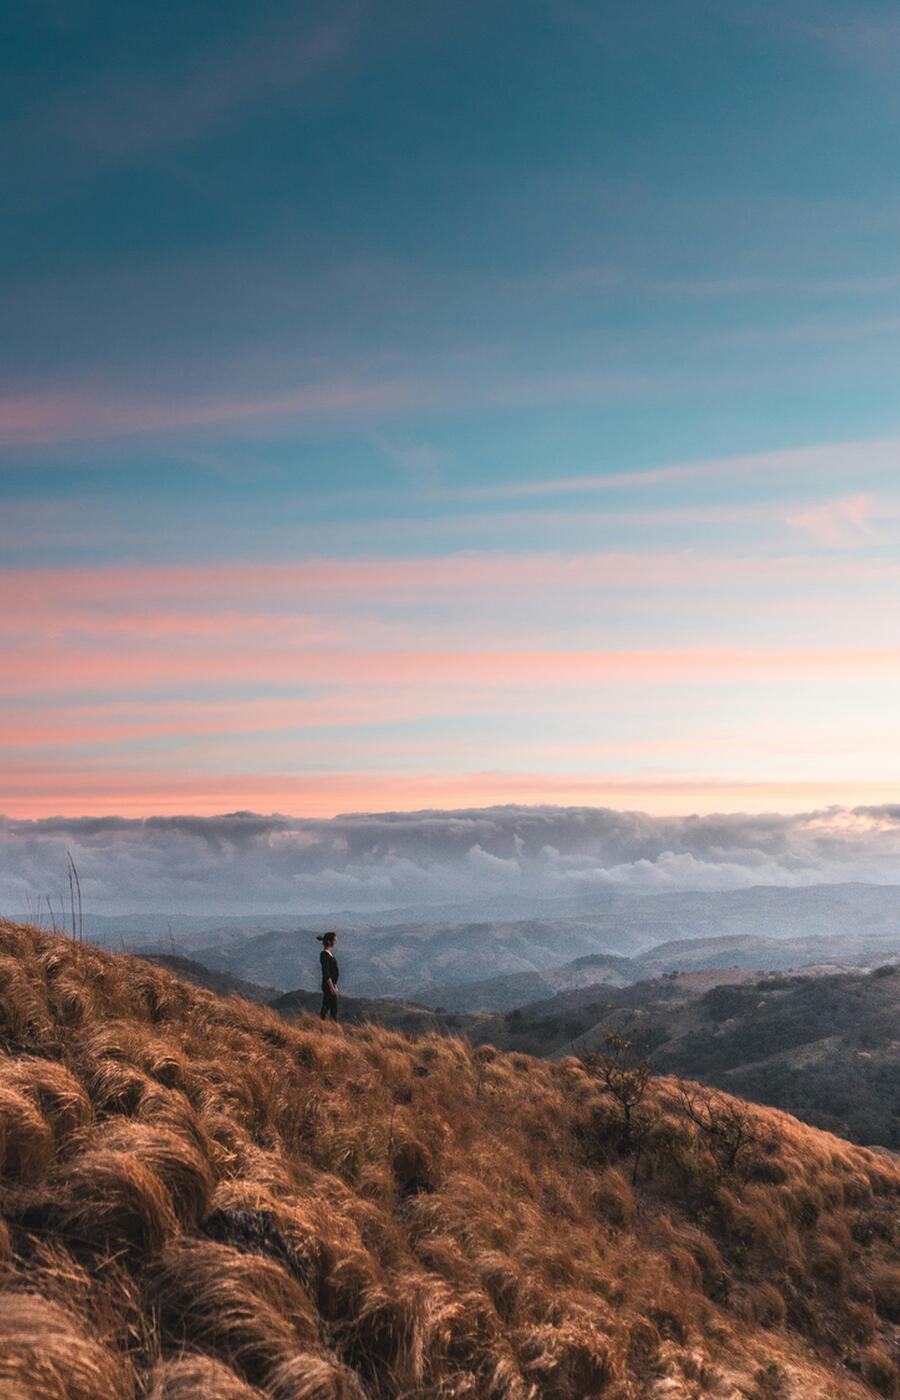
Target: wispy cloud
x,y
76,414
785,465
125,670
130,115
846,523
50,416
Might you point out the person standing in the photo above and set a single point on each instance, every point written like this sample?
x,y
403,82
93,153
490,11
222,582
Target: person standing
x,y
330,974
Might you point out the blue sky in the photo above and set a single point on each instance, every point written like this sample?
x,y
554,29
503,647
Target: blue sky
x,y
588,315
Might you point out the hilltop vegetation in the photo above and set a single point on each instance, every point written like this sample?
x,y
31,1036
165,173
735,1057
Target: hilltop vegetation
x,y
826,1049
824,1045
201,1199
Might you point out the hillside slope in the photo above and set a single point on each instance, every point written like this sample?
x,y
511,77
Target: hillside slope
x,y
200,1199
509,990
387,1013
197,973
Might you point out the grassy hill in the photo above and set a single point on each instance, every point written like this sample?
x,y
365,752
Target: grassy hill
x,y
379,1011
727,959
388,1013
200,1199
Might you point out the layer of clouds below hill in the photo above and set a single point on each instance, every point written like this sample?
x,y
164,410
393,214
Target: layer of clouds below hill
x,y
244,863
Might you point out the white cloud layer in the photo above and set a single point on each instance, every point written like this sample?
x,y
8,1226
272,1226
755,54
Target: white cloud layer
x,y
248,863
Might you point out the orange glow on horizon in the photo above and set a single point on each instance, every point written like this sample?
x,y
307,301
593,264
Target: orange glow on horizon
x,y
44,792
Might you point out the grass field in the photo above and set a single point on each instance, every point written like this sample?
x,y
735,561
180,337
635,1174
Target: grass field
x,y
200,1199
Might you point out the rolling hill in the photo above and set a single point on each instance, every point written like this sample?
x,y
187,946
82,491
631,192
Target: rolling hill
x,y
407,960
512,989
432,960
389,1013
200,1199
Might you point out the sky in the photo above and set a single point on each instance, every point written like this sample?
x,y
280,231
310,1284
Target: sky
x,y
427,406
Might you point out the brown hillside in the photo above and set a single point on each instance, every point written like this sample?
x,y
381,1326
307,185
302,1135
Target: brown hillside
x,y
205,1202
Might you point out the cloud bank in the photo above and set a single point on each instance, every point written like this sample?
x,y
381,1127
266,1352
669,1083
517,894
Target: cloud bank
x,y
250,863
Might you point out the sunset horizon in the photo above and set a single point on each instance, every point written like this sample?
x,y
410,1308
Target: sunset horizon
x,y
424,412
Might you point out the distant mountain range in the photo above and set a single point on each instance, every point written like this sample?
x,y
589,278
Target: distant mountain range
x,y
414,951
507,963
407,960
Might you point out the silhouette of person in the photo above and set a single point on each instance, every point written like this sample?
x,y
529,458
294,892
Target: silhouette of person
x,y
330,974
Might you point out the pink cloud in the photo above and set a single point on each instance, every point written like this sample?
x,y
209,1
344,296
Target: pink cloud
x,y
107,657
845,523
219,588
125,672
59,726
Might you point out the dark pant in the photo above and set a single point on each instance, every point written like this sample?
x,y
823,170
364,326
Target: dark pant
x,y
329,1005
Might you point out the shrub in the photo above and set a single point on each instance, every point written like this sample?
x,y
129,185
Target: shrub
x,y
828,1260
767,1306
625,1079
309,1377
727,1126
573,1359
613,1198
54,1090
771,1382
175,1160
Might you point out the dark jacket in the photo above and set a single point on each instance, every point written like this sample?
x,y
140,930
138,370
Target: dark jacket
x,y
330,969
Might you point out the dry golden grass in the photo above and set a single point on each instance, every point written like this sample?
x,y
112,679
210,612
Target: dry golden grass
x,y
201,1201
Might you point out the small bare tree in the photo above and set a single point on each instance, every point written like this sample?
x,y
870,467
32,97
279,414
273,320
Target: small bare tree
x,y
626,1081
726,1125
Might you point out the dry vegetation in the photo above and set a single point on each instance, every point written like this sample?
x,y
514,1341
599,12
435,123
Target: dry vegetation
x,y
201,1201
